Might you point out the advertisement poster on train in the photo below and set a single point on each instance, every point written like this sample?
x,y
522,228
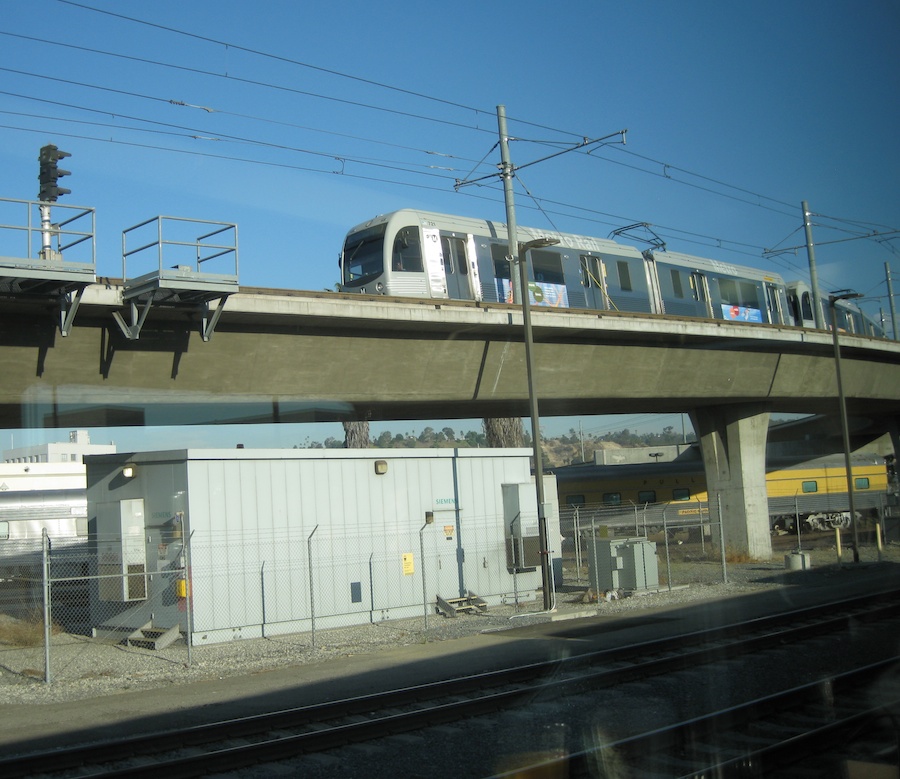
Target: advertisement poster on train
x,y
741,313
539,293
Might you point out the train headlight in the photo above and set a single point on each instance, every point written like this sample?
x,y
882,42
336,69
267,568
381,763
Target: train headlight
x,y
379,287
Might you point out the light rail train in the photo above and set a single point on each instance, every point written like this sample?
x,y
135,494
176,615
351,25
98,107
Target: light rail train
x,y
421,254
813,491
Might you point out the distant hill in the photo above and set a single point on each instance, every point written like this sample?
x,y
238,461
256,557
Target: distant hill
x,y
562,450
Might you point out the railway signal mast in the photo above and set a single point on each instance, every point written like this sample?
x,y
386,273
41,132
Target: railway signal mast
x,y
50,191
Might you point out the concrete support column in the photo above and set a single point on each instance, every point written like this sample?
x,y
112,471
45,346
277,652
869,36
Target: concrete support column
x,y
733,445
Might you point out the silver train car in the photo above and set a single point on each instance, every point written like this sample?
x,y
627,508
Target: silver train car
x,y
420,254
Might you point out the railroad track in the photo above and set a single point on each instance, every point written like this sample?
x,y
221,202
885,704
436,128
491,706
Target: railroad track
x,y
809,730
234,745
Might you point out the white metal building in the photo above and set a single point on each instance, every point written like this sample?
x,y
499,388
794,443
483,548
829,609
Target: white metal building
x,y
248,543
71,451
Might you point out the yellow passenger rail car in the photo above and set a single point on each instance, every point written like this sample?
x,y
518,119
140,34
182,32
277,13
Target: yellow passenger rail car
x,y
812,491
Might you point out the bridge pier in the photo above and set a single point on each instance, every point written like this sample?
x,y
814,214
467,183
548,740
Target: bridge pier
x,y
733,444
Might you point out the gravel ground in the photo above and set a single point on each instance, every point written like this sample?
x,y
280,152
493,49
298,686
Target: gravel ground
x,y
82,667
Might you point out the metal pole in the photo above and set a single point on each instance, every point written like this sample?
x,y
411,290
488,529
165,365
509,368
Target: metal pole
x,y
189,598
45,576
543,539
422,564
813,273
890,291
312,596
668,558
845,427
722,537
507,173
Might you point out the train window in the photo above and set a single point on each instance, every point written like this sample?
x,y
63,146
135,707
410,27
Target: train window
x,y
624,276
499,253
588,277
454,252
647,496
612,498
547,267
810,486
861,483
681,493
749,294
574,500
676,283
407,254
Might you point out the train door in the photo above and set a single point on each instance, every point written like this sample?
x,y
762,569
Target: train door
x,y
593,281
434,264
774,303
700,291
456,266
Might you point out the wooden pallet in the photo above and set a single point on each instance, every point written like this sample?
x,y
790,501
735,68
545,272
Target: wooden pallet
x,y
470,604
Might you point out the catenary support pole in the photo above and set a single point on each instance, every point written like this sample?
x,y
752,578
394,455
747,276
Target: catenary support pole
x,y
813,273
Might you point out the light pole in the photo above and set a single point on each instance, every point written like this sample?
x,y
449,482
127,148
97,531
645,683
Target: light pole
x,y
543,539
845,427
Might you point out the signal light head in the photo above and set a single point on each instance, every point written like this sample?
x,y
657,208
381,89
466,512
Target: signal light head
x,y
49,173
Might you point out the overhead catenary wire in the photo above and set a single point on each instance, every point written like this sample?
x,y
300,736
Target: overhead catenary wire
x,y
664,172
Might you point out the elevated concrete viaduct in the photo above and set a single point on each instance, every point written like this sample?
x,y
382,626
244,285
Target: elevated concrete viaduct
x,y
281,356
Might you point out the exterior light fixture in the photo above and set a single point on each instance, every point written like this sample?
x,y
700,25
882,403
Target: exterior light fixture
x,y
381,467
129,470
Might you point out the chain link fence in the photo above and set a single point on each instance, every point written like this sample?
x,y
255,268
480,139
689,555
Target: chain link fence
x,y
687,540
175,596
171,601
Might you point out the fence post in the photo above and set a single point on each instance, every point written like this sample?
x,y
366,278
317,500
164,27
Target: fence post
x,y
45,581
371,588
668,560
429,519
702,526
516,557
722,537
312,593
576,529
189,599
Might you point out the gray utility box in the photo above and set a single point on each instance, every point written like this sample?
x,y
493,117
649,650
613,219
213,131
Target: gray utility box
x,y
622,564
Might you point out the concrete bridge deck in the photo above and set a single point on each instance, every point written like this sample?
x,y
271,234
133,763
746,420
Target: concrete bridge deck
x,y
280,355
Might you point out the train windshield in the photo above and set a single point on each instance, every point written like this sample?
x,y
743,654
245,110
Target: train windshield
x,y
363,256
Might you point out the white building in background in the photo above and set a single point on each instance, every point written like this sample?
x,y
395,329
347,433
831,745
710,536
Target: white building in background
x,y
45,488
72,451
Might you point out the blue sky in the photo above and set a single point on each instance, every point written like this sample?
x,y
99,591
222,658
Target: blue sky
x,y
299,120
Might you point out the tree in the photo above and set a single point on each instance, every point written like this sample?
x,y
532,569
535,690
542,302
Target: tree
x,y
356,434
504,432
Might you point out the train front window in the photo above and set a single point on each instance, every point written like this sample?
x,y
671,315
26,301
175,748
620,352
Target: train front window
x,y
407,254
363,256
